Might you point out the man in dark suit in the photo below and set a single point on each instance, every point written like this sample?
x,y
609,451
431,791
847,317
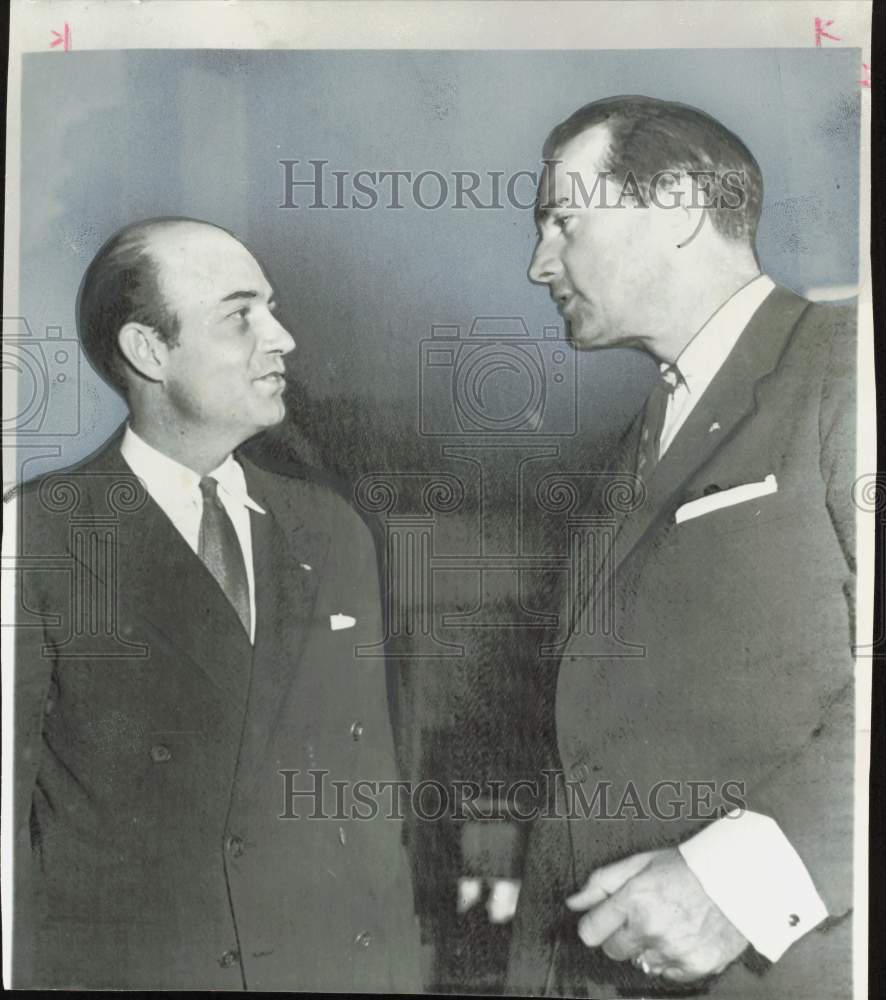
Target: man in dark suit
x,y
698,833
187,681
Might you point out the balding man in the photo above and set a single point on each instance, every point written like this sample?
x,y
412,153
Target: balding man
x,y
186,655
699,835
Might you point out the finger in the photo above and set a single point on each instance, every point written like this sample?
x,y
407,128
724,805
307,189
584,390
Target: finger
x,y
682,974
623,944
600,923
675,973
647,965
607,880
654,959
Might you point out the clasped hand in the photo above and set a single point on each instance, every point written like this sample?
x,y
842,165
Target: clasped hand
x,y
651,908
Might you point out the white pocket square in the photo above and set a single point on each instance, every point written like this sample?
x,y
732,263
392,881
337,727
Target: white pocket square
x,y
726,498
338,621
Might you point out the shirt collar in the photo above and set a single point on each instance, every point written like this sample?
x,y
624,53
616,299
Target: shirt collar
x,y
165,478
703,356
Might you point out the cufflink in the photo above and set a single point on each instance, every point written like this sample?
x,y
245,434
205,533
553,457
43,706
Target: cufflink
x,y
339,621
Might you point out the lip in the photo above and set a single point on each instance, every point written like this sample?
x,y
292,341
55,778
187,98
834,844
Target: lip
x,y
275,379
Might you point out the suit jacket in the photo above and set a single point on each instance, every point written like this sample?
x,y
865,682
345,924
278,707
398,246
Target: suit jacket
x,y
151,737
743,619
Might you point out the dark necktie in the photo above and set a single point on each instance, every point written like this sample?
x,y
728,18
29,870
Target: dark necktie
x,y
654,418
219,548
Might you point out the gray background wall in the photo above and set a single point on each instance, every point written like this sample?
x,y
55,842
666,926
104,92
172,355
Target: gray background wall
x,y
109,137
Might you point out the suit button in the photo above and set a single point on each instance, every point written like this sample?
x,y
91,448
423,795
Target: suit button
x,y
160,754
357,730
236,847
228,959
363,939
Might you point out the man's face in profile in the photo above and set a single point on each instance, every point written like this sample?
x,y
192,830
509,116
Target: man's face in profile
x,y
226,371
602,263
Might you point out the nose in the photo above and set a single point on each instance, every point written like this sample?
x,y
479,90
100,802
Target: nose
x,y
279,339
545,264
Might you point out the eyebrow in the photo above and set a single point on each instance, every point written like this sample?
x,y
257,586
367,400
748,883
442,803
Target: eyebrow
x,y
543,211
248,293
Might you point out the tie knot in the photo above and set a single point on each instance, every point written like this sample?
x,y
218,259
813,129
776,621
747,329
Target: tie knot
x,y
209,488
671,377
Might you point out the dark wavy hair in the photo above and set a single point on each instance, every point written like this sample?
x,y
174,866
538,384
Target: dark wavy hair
x,y
647,135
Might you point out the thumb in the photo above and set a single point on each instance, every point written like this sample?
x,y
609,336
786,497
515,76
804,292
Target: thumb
x,y
607,880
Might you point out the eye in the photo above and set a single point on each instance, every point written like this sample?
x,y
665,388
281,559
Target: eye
x,y
240,314
560,221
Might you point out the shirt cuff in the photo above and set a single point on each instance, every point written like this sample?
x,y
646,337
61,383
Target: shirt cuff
x,y
752,873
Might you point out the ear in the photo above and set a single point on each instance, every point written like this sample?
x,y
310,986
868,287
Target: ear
x,y
691,221
144,349
691,196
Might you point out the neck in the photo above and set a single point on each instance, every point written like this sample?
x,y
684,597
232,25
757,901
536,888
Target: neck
x,y
194,447
697,301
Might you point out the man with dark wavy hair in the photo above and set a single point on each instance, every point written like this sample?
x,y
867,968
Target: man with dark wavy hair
x,y
185,649
730,582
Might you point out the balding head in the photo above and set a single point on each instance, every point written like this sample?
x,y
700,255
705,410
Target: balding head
x,y
126,283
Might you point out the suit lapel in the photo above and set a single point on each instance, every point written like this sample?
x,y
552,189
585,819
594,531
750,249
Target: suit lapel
x,y
150,569
729,400
617,476
617,473
288,557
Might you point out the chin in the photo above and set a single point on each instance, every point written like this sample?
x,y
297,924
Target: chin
x,y
277,415
584,338
269,411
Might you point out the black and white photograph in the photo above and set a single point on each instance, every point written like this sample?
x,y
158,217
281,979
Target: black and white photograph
x,y
439,473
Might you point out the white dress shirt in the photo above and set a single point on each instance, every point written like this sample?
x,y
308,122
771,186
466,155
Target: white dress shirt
x,y
704,355
744,862
176,491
